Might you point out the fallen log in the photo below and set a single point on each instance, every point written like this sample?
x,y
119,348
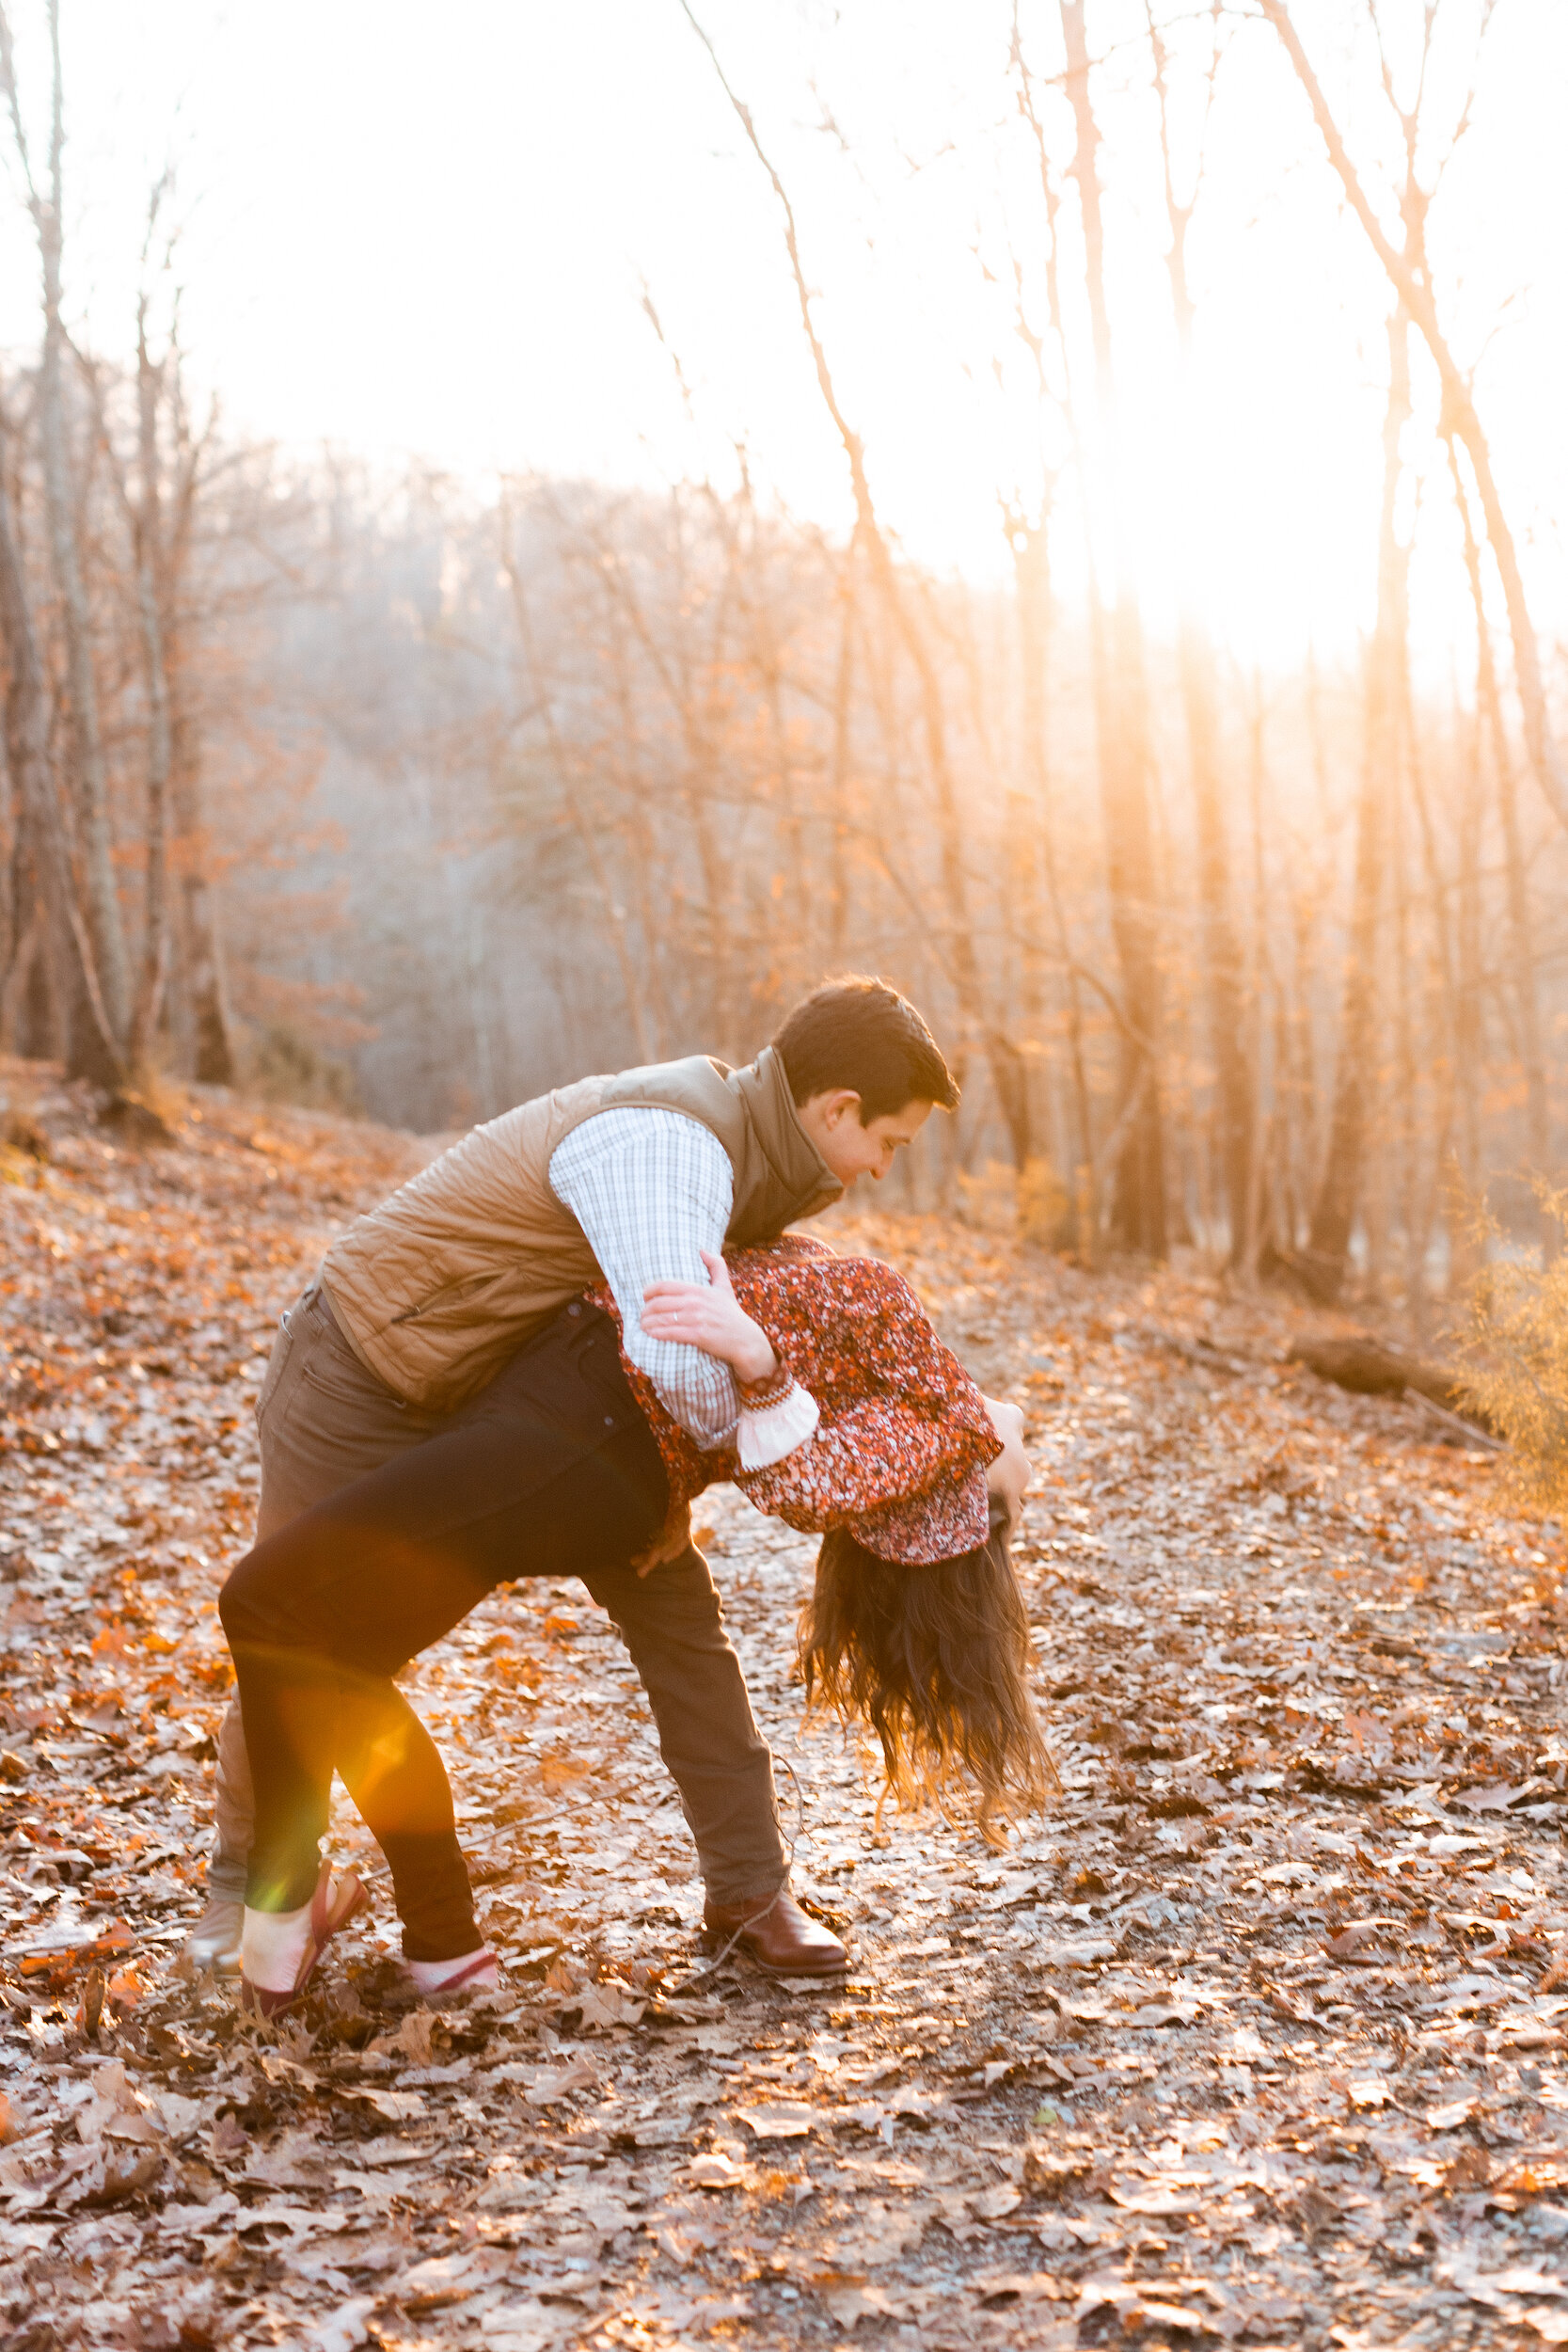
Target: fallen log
x,y
1366,1367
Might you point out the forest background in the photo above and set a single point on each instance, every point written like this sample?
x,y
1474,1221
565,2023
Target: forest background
x,y
1064,511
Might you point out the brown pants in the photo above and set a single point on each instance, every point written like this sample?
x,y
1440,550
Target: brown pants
x,y
324,1420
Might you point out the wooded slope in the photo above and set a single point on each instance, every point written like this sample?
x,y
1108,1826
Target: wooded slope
x,y
1254,2036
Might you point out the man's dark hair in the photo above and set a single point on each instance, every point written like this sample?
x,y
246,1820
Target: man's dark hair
x,y
861,1034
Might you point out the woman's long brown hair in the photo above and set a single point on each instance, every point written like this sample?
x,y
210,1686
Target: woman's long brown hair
x,y
934,1659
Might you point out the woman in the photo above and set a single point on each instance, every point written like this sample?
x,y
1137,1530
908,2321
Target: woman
x,y
916,1629
882,1433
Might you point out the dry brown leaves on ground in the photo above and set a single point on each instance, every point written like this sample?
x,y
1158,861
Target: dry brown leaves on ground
x,y
1257,2037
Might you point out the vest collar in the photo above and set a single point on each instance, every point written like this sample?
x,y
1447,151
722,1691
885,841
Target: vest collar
x,y
800,1182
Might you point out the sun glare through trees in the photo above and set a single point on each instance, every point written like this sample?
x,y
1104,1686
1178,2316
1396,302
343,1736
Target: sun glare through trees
x,y
1015,552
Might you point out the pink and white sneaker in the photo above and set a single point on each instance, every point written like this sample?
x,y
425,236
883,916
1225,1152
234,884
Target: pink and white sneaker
x,y
470,1971
332,1906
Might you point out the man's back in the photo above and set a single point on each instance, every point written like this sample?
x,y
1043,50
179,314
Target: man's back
x,y
441,1283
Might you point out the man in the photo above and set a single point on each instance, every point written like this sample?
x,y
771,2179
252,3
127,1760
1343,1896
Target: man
x,y
422,1300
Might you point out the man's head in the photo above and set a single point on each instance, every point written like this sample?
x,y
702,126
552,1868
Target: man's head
x,y
864,1072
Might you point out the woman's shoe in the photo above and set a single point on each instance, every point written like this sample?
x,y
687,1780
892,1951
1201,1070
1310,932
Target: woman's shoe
x,y
476,1972
331,1907
213,1943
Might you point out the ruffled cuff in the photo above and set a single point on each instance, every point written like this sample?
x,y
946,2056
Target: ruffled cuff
x,y
769,1431
755,1394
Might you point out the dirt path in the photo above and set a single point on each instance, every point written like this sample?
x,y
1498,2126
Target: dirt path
x,y
1253,2038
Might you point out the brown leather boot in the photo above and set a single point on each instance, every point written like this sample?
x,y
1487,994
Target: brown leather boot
x,y
781,1936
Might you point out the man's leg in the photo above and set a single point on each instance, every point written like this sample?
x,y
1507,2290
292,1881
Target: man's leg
x,y
233,1811
672,1624
324,1420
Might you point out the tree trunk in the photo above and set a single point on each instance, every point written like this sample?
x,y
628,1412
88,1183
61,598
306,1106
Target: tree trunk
x,y
1435,1066
100,896
27,951
1521,927
839,765
1031,583
1121,712
201,949
1221,952
1465,1176
89,1047
1221,958
585,828
147,535
1412,284
1341,1188
196,934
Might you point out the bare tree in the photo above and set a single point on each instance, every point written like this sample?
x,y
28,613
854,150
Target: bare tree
x,y
586,823
1200,703
1006,1063
90,1049
1409,273
1522,970
90,775
1341,1185
1121,707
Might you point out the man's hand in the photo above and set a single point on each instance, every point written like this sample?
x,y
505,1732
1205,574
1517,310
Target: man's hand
x,y
1008,1477
709,1315
673,1538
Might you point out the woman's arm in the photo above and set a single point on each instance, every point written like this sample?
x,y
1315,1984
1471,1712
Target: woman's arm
x,y
1008,1477
864,1457
777,1415
710,1316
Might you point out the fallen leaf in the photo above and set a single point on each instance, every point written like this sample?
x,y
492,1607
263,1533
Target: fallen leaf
x,y
560,2082
715,2170
1135,2198
1350,1943
398,2106
447,2279
607,2004
991,2203
850,2299
1496,1798
783,2119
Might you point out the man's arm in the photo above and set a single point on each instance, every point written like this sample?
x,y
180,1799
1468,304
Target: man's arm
x,y
652,1190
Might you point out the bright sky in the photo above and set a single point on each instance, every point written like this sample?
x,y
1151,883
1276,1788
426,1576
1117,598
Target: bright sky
x,y
417,230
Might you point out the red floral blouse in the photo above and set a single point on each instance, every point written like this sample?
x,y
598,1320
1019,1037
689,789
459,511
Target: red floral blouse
x,y
903,1440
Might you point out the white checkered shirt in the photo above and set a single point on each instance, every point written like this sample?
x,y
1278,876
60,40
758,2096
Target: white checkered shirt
x,y
652,1190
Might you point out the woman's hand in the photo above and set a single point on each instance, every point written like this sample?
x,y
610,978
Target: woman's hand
x,y
710,1316
1008,1477
672,1540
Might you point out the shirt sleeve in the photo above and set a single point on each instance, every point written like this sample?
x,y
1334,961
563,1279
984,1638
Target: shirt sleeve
x,y
652,1190
777,1415
857,1454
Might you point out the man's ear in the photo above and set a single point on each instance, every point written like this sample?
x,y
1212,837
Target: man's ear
x,y
837,1104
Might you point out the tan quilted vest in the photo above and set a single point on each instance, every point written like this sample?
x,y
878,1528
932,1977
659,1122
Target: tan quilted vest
x,y
441,1283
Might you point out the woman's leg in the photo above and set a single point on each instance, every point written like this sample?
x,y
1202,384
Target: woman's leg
x,y
308,1711
392,1768
540,1479
324,1419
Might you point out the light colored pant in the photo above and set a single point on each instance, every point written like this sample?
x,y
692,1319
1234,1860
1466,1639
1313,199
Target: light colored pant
x,y
324,1420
